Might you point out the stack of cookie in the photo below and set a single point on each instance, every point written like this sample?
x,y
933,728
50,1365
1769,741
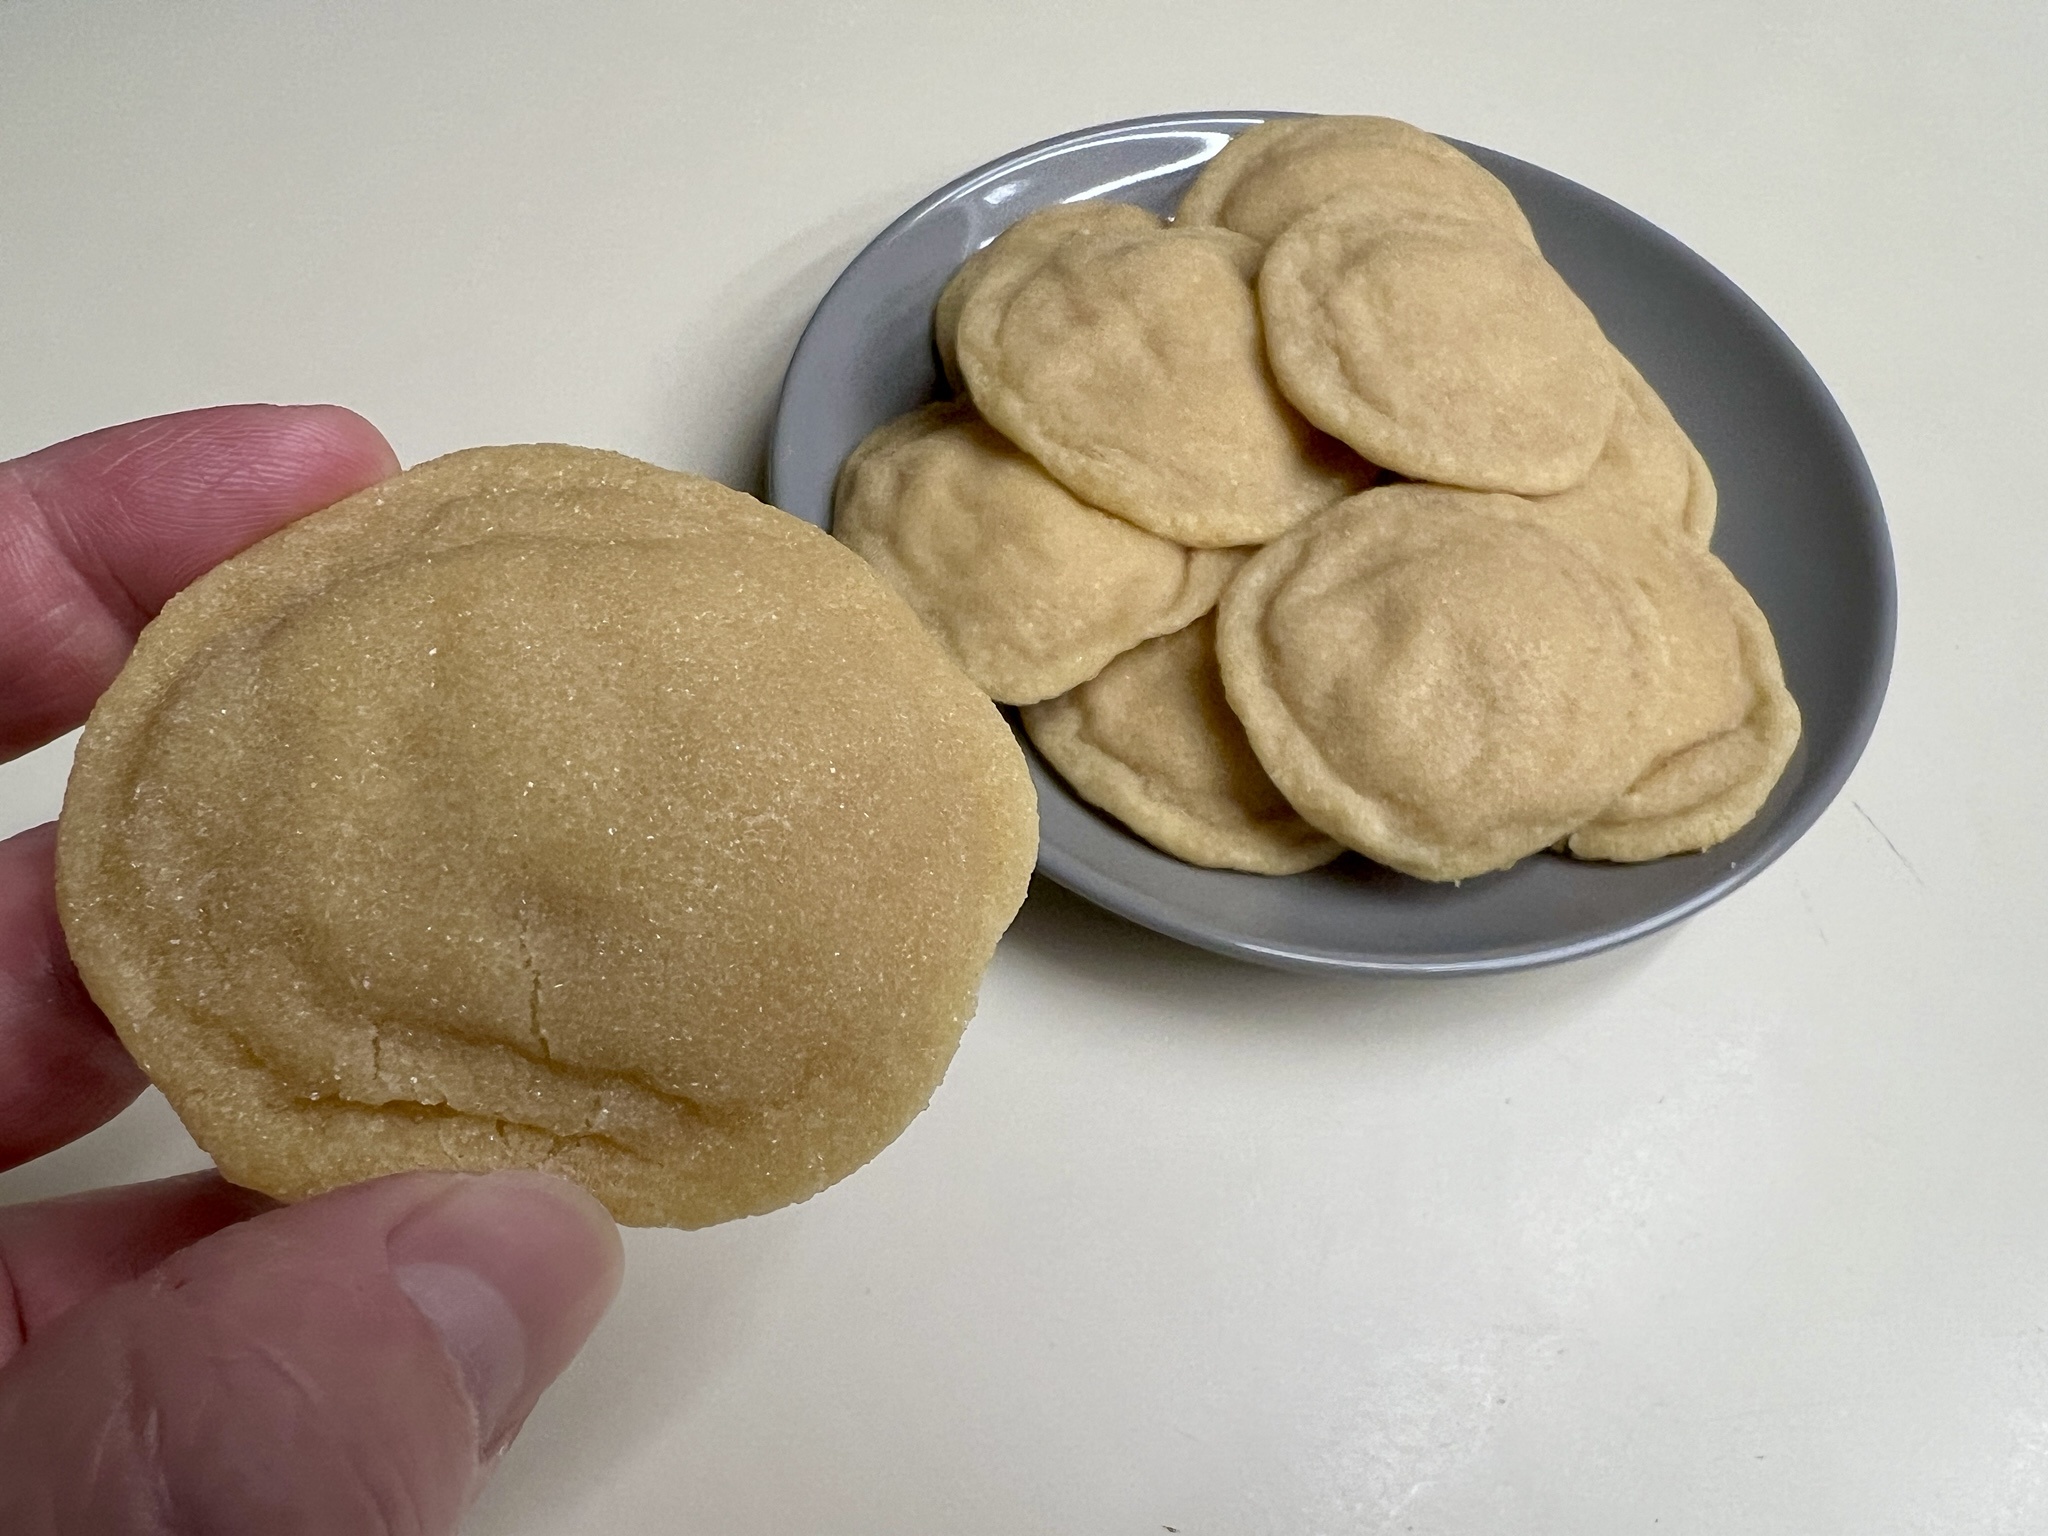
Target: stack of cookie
x,y
1154,521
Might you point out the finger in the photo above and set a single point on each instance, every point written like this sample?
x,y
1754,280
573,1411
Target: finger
x,y
346,1366
55,1254
62,1069
97,533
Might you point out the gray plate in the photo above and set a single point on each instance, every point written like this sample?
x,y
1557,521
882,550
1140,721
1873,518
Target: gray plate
x,y
1800,524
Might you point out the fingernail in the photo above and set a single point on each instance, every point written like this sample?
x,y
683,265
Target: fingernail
x,y
513,1270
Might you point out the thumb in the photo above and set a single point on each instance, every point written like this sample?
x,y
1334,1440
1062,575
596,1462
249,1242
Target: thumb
x,y
346,1366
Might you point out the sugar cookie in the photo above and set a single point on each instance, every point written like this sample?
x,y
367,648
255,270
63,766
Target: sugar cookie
x,y
1271,175
543,808
1130,366
1151,740
1441,349
1730,725
1023,244
1648,470
1029,590
1442,680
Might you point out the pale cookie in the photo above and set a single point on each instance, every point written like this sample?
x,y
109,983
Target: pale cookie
x,y
1440,349
1648,471
1131,366
1151,740
1024,244
1028,589
543,808
1730,725
1442,680
1271,175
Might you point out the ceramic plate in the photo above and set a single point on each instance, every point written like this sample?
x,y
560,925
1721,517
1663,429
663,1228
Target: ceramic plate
x,y
1800,524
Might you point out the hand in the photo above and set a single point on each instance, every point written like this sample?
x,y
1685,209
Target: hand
x,y
184,1356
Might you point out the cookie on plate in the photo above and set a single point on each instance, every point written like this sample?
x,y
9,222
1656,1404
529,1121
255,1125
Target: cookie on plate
x,y
1648,470
1130,365
1024,243
1441,679
1030,590
1272,174
542,808
1439,348
1730,725
1151,740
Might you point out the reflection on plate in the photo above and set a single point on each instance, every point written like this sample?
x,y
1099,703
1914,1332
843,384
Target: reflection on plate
x,y
1800,524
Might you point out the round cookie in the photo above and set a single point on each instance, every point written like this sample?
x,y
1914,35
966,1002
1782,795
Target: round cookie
x,y
1151,740
543,808
1028,589
1442,680
1649,469
1271,175
1439,348
1024,244
1130,365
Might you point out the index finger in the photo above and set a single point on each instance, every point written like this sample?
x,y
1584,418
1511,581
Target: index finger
x,y
97,534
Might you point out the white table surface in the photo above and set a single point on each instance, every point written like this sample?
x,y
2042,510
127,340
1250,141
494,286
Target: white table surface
x,y
1741,1229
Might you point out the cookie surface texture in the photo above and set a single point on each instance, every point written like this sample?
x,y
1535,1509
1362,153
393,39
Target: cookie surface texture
x,y
1271,175
1029,590
1438,348
1151,740
1022,246
1730,724
1131,366
1441,680
543,808
1649,470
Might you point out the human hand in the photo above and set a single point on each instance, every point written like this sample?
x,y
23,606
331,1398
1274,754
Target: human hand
x,y
185,1356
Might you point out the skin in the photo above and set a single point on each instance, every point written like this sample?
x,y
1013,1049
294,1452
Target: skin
x,y
184,1356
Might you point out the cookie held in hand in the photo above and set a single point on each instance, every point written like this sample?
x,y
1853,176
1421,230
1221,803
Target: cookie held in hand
x,y
543,808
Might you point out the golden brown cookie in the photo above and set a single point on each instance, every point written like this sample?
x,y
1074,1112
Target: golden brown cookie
x,y
1029,590
1441,679
543,808
1130,365
1271,175
1439,348
1151,740
1024,244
